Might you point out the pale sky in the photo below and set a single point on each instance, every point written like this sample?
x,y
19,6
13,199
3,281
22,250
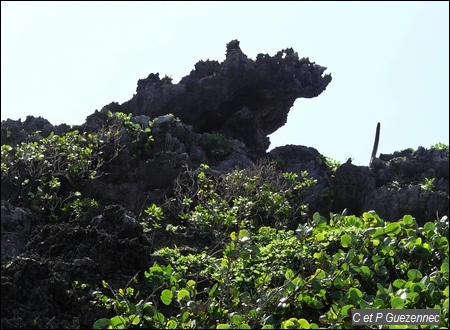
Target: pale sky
x,y
389,62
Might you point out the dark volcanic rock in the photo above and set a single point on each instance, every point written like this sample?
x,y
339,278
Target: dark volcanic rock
x,y
221,116
240,97
39,287
407,182
300,158
17,226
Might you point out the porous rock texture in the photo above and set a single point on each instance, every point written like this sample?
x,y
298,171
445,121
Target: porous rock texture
x,y
240,99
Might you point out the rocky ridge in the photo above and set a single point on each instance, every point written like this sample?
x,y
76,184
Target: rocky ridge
x,y
220,114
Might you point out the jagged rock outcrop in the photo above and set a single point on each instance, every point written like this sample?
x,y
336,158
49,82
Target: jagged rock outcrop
x,y
18,224
407,182
297,159
242,98
37,288
221,116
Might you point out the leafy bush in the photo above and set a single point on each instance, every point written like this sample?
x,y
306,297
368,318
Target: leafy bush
x,y
249,198
43,174
217,145
314,276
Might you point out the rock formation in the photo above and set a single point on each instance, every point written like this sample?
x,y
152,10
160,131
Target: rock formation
x,y
220,114
241,98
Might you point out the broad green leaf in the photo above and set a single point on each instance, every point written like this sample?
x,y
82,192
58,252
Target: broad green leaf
x,y
149,310
319,221
166,297
345,310
369,231
185,316
236,319
346,240
397,303
379,303
417,287
252,313
354,295
183,294
245,255
160,318
292,323
191,284
171,324
318,255
413,297
101,324
392,228
319,274
135,319
399,283
414,275
304,324
244,235
223,326
213,292
298,282
117,322
409,221
378,232
289,274
365,305
429,226
365,271
425,280
442,242
320,237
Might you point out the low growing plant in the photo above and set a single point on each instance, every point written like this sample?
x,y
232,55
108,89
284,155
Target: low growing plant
x,y
309,278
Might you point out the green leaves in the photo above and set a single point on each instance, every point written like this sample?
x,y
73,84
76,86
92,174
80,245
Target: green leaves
x,y
266,278
183,294
166,297
346,240
414,275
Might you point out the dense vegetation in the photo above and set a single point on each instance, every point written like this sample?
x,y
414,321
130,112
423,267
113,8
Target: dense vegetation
x,y
309,278
259,273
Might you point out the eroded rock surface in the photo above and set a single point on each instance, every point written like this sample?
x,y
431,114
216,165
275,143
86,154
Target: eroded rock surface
x,y
220,114
242,98
406,182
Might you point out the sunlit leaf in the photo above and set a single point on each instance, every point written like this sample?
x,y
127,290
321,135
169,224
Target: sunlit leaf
x,y
397,303
183,294
414,275
409,221
289,274
346,240
171,324
166,297
392,228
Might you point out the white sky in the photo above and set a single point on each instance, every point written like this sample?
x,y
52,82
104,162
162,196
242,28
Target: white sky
x,y
389,62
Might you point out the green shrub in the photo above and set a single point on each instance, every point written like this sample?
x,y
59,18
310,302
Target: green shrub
x,y
310,278
217,145
256,196
44,174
